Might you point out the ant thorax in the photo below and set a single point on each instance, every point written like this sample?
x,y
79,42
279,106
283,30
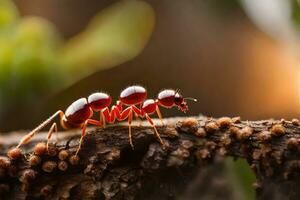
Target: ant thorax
x,y
99,101
133,95
166,98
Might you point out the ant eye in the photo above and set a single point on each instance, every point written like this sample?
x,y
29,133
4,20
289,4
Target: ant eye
x,y
178,99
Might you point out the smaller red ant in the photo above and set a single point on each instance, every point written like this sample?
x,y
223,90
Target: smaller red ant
x,y
79,113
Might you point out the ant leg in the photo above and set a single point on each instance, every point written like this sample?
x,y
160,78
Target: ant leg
x,y
84,127
122,116
129,127
137,114
138,120
107,115
119,106
28,137
136,110
81,138
159,115
155,130
51,130
112,115
25,139
57,136
102,118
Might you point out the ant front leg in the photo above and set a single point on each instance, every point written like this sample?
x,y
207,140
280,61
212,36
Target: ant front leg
x,y
155,130
30,135
159,115
84,127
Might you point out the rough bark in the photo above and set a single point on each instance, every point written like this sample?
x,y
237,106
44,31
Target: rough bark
x,y
109,169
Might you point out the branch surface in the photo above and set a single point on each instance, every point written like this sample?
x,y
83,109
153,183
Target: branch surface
x,y
108,168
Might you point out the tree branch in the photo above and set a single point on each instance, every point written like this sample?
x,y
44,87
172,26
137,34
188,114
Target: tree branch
x,y
109,169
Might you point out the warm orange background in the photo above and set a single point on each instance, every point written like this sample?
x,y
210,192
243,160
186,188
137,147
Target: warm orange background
x,y
221,58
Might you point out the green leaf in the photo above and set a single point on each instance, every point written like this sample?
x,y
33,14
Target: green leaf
x,y
241,178
8,15
29,67
117,34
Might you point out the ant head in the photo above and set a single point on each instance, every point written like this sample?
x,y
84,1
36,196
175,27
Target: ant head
x,y
99,101
169,98
180,102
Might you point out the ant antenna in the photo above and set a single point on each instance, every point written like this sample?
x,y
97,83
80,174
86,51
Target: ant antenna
x,y
190,98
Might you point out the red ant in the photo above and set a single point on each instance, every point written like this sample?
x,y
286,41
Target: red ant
x,y
79,113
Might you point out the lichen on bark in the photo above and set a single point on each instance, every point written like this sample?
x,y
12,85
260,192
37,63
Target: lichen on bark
x,y
108,168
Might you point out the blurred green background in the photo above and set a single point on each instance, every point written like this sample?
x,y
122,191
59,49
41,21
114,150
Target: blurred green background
x,y
237,57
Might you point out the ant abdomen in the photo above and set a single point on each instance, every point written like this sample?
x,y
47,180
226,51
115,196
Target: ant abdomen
x,y
77,113
133,95
67,124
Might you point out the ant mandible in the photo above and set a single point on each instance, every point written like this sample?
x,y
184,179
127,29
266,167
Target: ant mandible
x,y
79,113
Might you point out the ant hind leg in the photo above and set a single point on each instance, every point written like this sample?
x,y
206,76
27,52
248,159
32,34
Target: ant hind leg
x,y
28,137
84,127
51,130
25,139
